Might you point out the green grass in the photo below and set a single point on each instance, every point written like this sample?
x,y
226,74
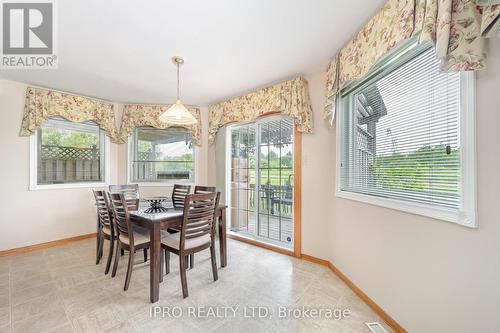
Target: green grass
x,y
272,177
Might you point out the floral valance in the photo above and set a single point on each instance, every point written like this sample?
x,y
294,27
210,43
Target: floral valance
x,y
454,26
490,24
289,98
135,115
41,104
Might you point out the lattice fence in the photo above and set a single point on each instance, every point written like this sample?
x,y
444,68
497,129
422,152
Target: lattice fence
x,y
69,153
68,164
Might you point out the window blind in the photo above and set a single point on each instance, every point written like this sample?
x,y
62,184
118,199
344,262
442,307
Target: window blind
x,y
401,133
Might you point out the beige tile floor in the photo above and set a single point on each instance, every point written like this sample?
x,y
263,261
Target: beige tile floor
x,y
62,290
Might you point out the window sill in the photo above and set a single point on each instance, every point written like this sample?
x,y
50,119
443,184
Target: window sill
x,y
164,184
440,213
66,186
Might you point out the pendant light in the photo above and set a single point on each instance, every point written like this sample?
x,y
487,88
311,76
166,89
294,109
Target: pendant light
x,y
178,114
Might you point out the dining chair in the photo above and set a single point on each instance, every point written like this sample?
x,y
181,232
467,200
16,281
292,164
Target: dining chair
x,y
179,193
131,193
107,229
128,237
199,189
197,234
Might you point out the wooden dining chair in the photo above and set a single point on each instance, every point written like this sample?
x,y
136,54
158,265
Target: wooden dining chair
x,y
197,234
199,189
107,229
128,238
131,193
179,193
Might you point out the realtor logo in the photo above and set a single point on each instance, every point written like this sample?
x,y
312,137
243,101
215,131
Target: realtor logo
x,y
28,34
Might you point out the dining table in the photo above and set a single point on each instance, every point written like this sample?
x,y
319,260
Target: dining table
x,y
172,218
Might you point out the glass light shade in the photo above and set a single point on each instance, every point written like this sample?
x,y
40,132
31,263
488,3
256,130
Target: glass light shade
x,y
177,114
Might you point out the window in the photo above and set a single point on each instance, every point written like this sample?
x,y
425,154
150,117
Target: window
x,y
65,152
161,155
406,136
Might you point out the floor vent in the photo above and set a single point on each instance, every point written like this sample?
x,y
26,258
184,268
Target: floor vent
x,y
375,327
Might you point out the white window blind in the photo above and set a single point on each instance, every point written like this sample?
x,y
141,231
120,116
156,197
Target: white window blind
x,y
401,132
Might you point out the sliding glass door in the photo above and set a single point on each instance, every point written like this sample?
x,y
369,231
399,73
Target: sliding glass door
x,y
261,180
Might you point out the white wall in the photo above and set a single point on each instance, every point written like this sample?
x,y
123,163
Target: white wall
x,y
33,217
317,176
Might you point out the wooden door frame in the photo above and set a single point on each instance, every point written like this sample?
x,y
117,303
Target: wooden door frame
x,y
297,193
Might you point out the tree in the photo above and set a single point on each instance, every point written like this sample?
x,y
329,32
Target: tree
x,y
56,137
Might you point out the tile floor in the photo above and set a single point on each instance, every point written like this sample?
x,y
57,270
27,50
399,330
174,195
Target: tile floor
x,y
62,290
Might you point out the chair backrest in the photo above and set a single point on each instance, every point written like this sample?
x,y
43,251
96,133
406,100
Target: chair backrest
x,y
199,216
179,194
198,189
103,209
122,219
131,193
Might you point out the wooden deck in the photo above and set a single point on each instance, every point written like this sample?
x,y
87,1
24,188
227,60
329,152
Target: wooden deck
x,y
271,228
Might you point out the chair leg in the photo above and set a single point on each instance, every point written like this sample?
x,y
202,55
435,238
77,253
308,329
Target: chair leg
x,y
162,259
122,253
182,265
98,241
99,251
110,254
214,262
145,255
167,261
186,261
191,260
129,269
117,258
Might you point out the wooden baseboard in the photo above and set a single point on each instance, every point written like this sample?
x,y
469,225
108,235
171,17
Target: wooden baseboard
x,y
374,306
263,245
40,246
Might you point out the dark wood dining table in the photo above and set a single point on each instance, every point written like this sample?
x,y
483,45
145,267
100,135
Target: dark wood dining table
x,y
155,222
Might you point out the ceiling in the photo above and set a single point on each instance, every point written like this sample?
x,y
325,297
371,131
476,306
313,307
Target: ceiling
x,y
120,50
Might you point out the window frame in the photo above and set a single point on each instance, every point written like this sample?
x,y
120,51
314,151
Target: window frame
x,y
33,184
166,182
466,215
